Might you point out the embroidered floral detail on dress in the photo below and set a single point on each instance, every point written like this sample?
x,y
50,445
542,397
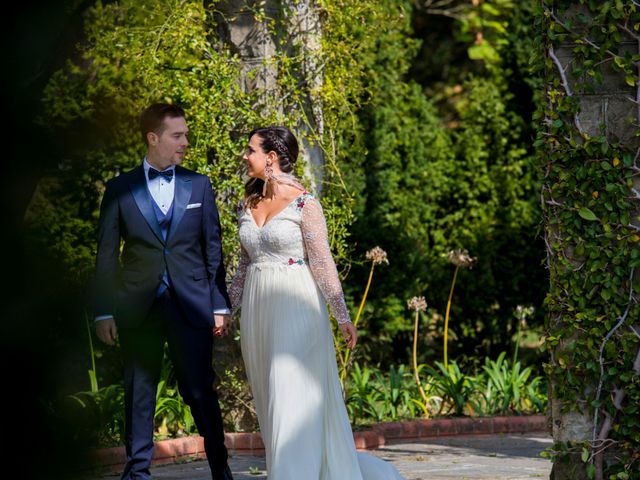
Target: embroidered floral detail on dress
x,y
300,201
298,261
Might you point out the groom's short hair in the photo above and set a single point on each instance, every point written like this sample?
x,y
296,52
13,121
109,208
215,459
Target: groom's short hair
x,y
152,118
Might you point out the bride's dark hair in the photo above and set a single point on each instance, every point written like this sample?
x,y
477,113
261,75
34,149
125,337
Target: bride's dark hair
x,y
272,139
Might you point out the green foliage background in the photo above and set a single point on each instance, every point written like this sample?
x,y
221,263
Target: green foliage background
x,y
449,165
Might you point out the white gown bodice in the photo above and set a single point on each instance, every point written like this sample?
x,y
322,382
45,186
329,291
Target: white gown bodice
x,y
294,237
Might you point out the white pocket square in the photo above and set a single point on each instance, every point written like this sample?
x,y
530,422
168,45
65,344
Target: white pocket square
x,y
194,205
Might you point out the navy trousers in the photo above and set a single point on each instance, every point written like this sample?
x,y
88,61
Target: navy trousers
x,y
190,351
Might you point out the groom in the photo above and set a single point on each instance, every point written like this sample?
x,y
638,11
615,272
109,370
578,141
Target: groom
x,y
165,284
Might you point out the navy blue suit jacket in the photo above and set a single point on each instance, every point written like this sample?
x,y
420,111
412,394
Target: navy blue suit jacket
x,y
127,278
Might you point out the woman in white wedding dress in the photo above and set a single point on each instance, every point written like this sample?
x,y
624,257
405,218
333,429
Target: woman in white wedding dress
x,y
285,278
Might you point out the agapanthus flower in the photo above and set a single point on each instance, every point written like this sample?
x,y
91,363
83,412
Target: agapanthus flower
x,y
419,304
461,258
377,256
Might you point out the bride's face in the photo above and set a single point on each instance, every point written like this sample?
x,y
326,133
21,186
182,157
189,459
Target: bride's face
x,y
256,159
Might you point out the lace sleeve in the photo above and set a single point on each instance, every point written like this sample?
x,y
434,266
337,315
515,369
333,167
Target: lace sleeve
x,y
323,268
237,284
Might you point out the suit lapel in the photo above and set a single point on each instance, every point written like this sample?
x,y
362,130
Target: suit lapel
x,y
180,200
141,195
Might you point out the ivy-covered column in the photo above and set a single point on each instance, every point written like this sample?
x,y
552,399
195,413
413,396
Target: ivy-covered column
x,y
590,159
278,43
304,44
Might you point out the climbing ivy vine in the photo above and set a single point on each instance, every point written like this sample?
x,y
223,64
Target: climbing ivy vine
x,y
591,204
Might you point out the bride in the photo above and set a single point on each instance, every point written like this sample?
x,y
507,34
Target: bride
x,y
285,278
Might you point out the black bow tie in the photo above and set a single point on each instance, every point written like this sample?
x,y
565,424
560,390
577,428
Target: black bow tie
x,y
167,174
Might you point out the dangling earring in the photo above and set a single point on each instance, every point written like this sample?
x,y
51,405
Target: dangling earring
x,y
268,173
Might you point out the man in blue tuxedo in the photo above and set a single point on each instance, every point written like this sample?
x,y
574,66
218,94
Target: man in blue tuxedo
x,y
166,284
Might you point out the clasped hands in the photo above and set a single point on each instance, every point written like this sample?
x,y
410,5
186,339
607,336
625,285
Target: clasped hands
x,y
221,324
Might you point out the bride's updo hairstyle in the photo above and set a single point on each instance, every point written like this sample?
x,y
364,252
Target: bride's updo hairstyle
x,y
272,139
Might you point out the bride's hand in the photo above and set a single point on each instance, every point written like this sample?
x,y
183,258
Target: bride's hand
x,y
350,334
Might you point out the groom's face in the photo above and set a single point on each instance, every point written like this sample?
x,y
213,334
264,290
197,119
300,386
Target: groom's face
x,y
172,143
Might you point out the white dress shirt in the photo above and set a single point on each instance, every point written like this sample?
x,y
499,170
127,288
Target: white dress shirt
x,y
160,189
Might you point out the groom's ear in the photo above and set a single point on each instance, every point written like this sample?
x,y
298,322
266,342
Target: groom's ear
x,y
152,139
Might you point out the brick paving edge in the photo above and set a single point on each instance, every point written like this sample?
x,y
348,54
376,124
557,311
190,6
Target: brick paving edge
x,y
192,447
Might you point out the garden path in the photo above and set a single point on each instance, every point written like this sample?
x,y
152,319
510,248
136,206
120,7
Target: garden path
x,y
507,456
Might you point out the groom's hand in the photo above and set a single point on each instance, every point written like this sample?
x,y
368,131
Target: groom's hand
x,y
107,331
221,323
